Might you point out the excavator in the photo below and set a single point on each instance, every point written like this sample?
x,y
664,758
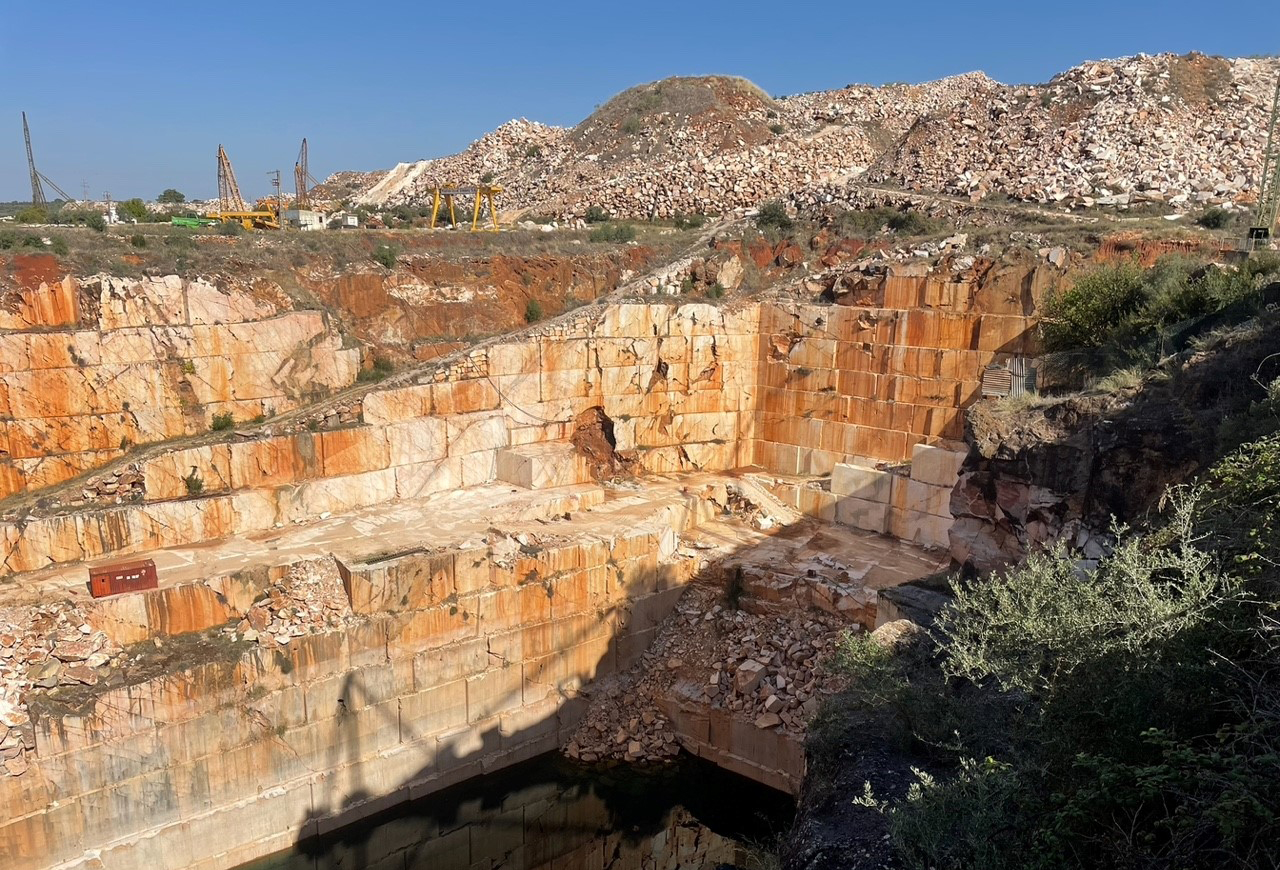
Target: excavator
x,y
265,214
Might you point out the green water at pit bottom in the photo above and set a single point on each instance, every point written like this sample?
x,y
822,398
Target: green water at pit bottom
x,y
550,812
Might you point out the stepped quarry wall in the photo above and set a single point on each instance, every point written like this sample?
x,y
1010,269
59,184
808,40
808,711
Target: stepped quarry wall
x,y
794,388
459,654
89,368
451,662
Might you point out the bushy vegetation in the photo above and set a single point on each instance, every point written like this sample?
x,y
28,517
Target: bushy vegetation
x,y
136,210
1118,715
222,422
613,232
684,221
533,311
1215,218
34,214
385,256
378,370
773,215
595,215
1135,314
873,221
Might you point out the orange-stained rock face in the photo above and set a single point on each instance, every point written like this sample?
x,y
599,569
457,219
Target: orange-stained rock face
x,y
795,388
90,368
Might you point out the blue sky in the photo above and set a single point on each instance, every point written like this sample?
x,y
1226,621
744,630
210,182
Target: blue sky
x,y
135,96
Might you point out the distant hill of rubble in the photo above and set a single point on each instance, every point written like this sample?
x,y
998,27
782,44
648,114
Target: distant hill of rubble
x,y
1185,132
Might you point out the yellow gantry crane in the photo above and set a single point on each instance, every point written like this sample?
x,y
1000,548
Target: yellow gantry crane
x,y
483,194
231,205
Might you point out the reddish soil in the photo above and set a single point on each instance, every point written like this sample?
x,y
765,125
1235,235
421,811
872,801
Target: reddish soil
x,y
430,300
29,271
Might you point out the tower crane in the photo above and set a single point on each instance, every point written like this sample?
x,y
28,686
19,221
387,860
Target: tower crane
x,y
37,189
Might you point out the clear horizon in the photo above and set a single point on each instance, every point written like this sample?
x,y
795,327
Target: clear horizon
x,y
135,100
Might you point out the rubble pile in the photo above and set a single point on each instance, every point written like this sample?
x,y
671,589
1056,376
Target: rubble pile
x,y
44,647
1185,132
736,150
761,663
308,599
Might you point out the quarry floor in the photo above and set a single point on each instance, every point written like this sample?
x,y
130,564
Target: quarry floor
x,y
465,515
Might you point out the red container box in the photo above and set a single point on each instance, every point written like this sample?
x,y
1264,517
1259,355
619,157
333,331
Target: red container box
x,y
122,577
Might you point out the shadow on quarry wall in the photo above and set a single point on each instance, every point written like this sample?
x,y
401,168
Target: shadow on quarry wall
x,y
1069,468
488,746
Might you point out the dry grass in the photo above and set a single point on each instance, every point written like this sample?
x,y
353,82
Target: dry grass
x,y
172,250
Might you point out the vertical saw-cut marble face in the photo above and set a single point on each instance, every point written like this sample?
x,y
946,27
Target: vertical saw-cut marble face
x,y
792,388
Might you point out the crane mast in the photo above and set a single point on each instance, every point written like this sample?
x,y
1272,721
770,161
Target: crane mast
x,y
300,178
37,191
229,198
37,188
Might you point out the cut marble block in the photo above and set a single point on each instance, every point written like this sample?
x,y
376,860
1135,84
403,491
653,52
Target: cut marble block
x,y
543,466
871,516
937,464
861,481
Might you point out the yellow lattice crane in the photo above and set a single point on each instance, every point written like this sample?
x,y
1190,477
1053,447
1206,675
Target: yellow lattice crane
x,y
231,205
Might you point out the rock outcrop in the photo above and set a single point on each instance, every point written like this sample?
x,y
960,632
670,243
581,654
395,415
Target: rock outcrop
x,y
90,368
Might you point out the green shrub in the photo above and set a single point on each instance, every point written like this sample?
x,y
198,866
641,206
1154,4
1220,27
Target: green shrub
x,y
138,240
194,483
688,222
1085,314
533,152
33,214
869,222
613,232
230,228
222,422
133,209
773,214
632,126
1140,700
595,215
776,129
912,223
1132,311
59,246
532,311
385,256
96,222
379,370
1215,218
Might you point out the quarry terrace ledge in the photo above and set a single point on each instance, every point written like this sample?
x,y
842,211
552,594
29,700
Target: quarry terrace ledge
x,y
462,655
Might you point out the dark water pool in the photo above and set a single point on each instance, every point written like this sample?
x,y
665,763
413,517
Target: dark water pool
x,y
552,813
